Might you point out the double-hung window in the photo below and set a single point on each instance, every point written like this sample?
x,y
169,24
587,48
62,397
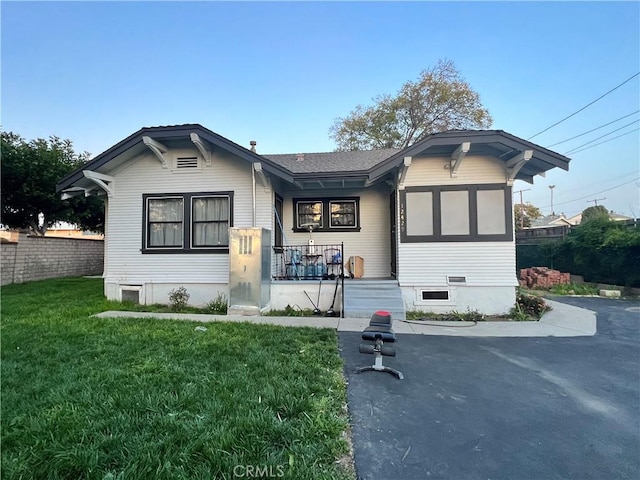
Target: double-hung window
x,y
165,222
210,221
187,222
328,214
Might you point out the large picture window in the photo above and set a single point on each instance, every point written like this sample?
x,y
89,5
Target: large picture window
x,y
187,222
456,213
330,214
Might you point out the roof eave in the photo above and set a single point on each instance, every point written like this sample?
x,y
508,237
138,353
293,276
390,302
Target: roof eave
x,y
168,133
541,154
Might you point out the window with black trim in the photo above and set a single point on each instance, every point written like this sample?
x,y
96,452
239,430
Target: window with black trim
x,y
330,214
343,214
456,213
187,222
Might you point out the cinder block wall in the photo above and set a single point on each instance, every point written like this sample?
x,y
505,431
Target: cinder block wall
x,y
38,258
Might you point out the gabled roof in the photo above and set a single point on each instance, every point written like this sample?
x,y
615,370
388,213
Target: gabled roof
x,y
334,169
133,145
550,221
497,143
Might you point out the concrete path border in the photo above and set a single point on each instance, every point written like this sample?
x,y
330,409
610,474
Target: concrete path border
x,y
563,321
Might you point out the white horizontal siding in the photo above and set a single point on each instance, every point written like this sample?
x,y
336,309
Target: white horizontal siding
x,y
426,171
482,263
145,175
372,242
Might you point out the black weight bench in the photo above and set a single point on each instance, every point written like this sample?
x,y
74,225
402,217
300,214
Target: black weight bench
x,y
379,331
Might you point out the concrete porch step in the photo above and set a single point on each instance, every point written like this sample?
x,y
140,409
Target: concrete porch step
x,y
363,297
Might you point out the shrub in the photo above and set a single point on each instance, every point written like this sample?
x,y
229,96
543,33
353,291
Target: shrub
x,y
574,289
453,316
528,306
290,311
219,304
468,316
178,298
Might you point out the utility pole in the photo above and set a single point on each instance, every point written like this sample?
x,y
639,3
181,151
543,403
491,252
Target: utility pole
x,y
551,187
596,200
522,207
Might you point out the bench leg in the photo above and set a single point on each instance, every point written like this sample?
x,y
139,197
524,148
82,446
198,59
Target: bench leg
x,y
378,367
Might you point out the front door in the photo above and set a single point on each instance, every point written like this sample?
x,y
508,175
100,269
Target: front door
x,y
392,229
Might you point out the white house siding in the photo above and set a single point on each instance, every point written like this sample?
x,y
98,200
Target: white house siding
x,y
204,275
473,170
489,267
372,242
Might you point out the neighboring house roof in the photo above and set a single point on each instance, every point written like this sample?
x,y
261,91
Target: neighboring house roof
x,y
334,169
550,221
616,217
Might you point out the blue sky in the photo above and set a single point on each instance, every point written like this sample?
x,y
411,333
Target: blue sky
x,y
280,73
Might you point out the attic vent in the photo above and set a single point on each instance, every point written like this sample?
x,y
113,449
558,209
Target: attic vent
x,y
457,279
187,162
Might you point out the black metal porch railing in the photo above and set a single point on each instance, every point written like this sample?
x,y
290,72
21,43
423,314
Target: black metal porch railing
x,y
308,262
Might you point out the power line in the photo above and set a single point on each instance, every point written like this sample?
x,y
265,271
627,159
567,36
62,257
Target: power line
x,y
600,182
608,140
588,105
601,136
594,129
597,193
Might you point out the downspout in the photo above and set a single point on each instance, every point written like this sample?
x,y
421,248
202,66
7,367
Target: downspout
x,y
253,144
253,185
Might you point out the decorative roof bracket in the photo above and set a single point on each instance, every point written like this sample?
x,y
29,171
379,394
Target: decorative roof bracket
x,y
257,167
105,182
72,192
158,149
515,164
403,172
457,156
202,147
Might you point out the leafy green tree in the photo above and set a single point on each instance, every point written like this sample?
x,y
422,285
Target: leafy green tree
x,y
30,171
598,211
440,99
605,251
524,214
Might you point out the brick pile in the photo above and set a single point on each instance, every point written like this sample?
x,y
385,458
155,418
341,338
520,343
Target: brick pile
x,y
542,277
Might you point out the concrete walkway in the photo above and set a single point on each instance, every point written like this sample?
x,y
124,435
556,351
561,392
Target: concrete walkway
x,y
563,321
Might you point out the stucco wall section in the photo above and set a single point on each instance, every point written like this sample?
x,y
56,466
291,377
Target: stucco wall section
x,y
38,258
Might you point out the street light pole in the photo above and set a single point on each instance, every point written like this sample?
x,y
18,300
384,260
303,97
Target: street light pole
x,y
551,187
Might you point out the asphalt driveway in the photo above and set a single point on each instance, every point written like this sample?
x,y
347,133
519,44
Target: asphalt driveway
x,y
502,408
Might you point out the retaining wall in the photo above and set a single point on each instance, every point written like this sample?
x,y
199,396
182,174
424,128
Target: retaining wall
x,y
38,258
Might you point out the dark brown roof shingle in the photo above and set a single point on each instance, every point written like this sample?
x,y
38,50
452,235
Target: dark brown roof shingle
x,y
328,162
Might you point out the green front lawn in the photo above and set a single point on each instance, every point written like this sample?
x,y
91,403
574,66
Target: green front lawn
x,y
84,397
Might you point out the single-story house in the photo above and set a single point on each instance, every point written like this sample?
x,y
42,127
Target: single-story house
x,y
549,227
613,216
435,219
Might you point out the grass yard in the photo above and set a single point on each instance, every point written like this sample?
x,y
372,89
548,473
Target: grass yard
x,y
88,398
